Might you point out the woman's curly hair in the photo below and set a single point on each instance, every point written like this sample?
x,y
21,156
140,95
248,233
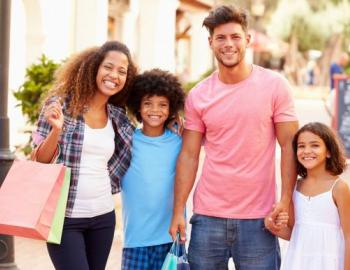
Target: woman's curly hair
x,y
156,82
75,80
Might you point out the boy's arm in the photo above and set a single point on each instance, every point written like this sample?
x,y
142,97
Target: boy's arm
x,y
341,195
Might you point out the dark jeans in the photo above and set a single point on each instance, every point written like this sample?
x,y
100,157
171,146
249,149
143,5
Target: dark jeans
x,y
214,240
85,244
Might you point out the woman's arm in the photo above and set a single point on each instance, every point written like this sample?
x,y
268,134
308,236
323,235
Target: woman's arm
x,y
47,149
341,196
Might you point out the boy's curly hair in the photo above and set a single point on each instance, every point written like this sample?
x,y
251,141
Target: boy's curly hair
x,y
75,80
156,82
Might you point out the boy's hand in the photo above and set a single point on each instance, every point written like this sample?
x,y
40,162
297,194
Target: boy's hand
x,y
178,225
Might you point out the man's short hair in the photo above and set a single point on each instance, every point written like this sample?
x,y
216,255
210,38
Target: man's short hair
x,y
226,14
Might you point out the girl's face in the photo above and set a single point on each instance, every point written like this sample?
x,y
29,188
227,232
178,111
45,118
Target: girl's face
x,y
154,112
112,73
311,151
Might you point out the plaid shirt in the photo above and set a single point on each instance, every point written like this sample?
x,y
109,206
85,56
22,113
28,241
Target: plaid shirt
x,y
71,143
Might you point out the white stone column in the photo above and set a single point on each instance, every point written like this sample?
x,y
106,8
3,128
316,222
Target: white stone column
x,y
201,55
130,30
17,64
91,23
156,42
56,23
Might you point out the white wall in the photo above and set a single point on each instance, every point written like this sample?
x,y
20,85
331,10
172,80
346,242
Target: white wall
x,y
60,27
90,25
201,55
156,43
54,27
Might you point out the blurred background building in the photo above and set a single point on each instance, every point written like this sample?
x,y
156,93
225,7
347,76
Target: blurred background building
x,y
298,38
164,34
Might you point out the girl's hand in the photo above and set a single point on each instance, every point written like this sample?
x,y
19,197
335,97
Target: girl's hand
x,y
54,115
282,219
277,224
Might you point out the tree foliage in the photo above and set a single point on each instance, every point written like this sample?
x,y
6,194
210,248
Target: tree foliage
x,y
312,21
38,80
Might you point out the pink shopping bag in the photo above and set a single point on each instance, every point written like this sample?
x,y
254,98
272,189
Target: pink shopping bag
x,y
28,198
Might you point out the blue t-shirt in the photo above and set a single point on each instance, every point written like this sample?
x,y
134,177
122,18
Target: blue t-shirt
x,y
334,69
147,189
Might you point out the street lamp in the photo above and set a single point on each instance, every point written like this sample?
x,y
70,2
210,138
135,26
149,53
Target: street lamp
x,y
6,156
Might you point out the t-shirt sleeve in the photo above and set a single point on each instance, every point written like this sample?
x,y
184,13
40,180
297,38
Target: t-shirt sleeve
x,y
284,109
193,120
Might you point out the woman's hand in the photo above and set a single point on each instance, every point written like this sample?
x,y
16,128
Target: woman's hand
x,y
54,115
176,125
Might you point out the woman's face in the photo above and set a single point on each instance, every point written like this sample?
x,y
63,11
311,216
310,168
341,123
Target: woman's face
x,y
112,73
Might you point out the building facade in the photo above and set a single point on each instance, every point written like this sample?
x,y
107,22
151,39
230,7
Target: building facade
x,y
163,34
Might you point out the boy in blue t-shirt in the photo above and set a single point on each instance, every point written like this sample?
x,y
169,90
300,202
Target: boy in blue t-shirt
x,y
147,187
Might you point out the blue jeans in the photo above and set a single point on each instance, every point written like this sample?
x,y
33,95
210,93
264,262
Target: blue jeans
x,y
214,240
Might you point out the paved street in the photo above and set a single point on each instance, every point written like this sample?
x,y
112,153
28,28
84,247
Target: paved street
x,y
32,255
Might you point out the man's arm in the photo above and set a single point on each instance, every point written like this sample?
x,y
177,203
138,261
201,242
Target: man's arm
x,y
186,170
284,232
285,132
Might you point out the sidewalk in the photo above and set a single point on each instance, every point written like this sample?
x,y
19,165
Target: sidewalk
x,y
32,254
310,92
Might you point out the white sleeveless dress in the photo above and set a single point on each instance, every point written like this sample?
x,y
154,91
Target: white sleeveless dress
x,y
317,241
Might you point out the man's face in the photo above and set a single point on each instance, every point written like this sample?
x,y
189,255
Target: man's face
x,y
229,43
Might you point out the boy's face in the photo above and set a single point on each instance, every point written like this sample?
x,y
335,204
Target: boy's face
x,y
154,112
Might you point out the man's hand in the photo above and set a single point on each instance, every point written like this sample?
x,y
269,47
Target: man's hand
x,y
275,225
178,225
279,216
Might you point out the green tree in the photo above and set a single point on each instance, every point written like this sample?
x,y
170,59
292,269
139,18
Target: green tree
x,y
311,24
38,80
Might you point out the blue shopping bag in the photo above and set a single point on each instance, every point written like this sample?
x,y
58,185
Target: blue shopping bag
x,y
176,259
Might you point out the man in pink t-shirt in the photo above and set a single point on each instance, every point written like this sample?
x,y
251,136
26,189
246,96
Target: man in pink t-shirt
x,y
237,113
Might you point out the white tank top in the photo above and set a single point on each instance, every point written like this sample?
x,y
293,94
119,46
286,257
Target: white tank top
x,y
94,195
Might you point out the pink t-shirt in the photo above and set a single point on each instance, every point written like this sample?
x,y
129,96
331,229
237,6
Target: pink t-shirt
x,y
237,121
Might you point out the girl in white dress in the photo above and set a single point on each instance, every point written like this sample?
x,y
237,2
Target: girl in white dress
x,y
319,223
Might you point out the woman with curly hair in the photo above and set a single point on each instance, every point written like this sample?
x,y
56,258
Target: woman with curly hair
x,y
83,125
155,99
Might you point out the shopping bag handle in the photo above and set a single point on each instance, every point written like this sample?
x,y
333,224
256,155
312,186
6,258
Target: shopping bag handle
x,y
177,246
